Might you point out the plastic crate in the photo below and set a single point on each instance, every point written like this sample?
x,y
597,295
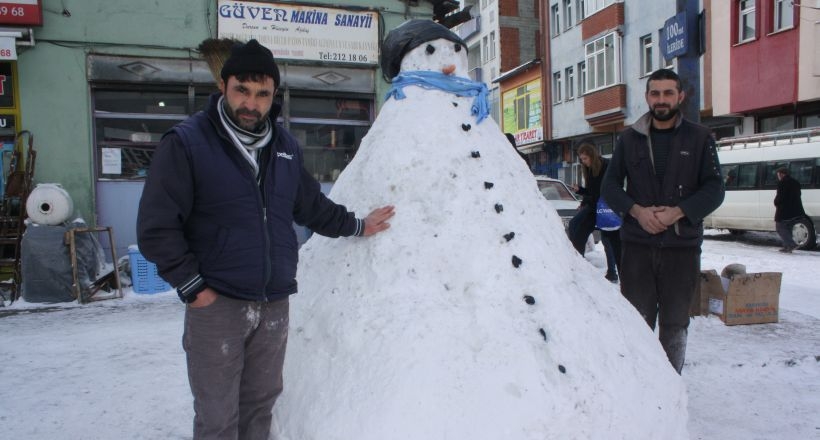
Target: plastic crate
x,y
144,275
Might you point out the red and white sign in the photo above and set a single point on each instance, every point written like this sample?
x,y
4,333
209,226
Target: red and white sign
x,y
529,136
21,12
8,51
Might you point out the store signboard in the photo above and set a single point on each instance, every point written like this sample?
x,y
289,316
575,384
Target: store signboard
x,y
21,13
8,125
6,85
674,38
8,50
521,112
299,32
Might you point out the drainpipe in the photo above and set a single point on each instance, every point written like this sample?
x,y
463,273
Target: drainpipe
x,y
546,71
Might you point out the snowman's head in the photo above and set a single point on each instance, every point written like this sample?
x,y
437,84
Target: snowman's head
x,y
423,45
438,55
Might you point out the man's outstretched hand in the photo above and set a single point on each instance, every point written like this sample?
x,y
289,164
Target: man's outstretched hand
x,y
376,221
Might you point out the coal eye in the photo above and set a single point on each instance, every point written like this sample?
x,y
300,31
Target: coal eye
x,y
430,49
458,47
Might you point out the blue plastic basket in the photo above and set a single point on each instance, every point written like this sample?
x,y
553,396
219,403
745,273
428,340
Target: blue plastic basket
x,y
144,275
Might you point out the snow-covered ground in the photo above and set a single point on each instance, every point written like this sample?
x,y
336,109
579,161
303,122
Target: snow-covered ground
x,y
115,369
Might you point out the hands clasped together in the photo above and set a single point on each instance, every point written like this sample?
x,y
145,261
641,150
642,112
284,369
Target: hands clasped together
x,y
655,219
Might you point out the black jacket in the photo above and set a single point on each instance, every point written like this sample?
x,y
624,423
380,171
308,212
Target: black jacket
x,y
591,192
205,220
692,181
787,202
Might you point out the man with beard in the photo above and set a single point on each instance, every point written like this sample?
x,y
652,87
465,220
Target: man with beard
x,y
670,166
216,216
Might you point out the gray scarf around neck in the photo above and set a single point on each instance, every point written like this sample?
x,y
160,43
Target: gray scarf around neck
x,y
247,142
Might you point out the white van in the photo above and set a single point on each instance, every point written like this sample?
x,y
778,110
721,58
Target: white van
x,y
748,166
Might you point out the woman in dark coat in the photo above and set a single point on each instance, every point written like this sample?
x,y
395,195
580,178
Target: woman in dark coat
x,y
593,168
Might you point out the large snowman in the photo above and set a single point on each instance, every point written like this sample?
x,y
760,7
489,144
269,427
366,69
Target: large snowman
x,y
472,317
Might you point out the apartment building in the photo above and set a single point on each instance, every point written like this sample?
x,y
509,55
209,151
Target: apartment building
x,y
501,35
764,69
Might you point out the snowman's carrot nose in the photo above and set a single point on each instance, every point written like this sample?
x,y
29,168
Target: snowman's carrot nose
x,y
448,69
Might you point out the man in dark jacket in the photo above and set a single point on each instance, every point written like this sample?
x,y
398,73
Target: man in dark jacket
x,y
788,208
673,181
216,216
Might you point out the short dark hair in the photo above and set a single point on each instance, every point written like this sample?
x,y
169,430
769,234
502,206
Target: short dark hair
x,y
783,170
662,74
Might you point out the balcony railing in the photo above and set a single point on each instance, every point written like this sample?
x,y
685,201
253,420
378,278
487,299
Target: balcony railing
x,y
475,74
469,28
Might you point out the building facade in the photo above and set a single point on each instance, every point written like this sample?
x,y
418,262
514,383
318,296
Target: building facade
x,y
765,64
99,81
500,36
747,66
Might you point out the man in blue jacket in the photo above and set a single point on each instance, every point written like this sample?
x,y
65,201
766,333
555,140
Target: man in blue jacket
x,y
672,174
216,217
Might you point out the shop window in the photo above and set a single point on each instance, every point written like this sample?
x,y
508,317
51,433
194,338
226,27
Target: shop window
x,y
776,123
327,148
129,124
329,130
807,121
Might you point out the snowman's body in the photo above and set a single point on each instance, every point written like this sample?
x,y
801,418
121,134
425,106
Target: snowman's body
x,y
433,330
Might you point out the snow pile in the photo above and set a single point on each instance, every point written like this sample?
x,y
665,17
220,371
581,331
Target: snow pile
x,y
448,326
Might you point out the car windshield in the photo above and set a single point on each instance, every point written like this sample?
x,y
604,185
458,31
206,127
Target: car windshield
x,y
555,190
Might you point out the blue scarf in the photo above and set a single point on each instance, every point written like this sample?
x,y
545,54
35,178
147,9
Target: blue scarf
x,y
448,83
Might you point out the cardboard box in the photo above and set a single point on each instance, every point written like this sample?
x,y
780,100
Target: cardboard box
x,y
752,298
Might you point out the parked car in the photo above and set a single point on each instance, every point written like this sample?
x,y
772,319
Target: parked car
x,y
564,201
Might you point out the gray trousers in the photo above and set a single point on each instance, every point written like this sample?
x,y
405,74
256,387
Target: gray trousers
x,y
235,352
660,283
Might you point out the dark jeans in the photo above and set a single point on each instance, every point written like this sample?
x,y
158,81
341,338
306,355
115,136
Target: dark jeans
x,y
784,230
660,283
580,226
583,224
235,351
612,248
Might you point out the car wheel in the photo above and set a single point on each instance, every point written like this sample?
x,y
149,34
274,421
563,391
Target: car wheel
x,y
803,234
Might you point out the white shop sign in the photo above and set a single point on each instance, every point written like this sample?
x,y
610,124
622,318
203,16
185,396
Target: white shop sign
x,y
299,32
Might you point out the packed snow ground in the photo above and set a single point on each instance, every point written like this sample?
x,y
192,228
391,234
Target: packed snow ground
x,y
116,370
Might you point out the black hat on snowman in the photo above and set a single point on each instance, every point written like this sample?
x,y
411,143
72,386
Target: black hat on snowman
x,y
406,37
